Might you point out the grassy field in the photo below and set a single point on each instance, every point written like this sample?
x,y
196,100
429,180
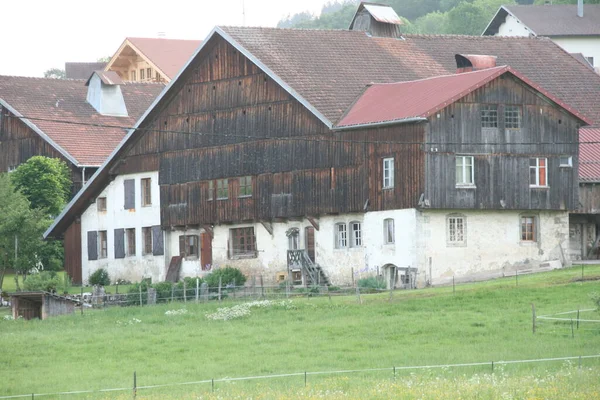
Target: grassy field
x,y
481,322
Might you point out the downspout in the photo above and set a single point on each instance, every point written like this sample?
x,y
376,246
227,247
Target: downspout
x,y
82,176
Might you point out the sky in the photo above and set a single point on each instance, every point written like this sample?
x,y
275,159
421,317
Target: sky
x,y
42,34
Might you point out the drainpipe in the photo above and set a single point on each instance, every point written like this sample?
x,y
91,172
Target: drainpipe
x,y
82,176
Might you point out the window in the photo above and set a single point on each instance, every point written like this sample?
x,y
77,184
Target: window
x,y
590,60
12,168
102,245
388,173
133,76
101,203
222,189
566,161
147,240
388,231
356,232
142,74
489,116
456,233
149,73
146,192
293,235
464,170
341,236
538,173
242,242
512,117
245,186
188,246
528,230
130,235
211,190
157,77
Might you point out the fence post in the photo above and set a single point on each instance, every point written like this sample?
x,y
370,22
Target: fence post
x,y
579,362
234,288
453,286
492,366
287,289
134,384
394,372
262,288
578,318
517,277
352,272
213,384
184,292
304,378
220,283
582,272
328,293
141,304
197,285
358,295
81,298
572,330
117,287
533,317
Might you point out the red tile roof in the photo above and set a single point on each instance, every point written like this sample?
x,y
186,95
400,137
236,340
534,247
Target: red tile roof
x,y
82,70
589,154
167,54
44,101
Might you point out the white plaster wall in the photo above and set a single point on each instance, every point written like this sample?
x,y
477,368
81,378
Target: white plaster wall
x,y
512,27
132,268
403,252
493,244
190,266
588,46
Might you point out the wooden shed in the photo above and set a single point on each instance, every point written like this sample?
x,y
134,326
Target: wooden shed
x,y
41,305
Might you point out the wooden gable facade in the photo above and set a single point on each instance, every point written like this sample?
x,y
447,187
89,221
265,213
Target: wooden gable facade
x,y
228,119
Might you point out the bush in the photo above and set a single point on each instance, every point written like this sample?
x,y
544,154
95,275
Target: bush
x,y
228,275
163,292
595,296
47,281
133,294
371,283
100,277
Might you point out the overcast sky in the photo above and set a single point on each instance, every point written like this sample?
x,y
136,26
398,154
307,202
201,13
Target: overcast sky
x,y
41,34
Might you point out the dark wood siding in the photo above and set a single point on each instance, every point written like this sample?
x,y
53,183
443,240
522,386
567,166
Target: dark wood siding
x,y
72,245
589,198
501,156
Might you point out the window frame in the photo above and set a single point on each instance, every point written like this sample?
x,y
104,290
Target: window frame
x,y
147,240
537,168
511,119
102,244
525,235
341,235
130,245
355,234
222,188
133,75
149,73
146,191
242,242
245,186
389,234
569,163
191,248
101,204
388,167
142,74
488,114
464,167
211,191
456,230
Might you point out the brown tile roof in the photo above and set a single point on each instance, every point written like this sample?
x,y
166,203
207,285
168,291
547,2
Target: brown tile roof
x,y
329,69
65,100
167,54
82,70
551,20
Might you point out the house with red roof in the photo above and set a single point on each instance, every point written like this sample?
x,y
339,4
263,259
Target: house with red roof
x,y
151,59
320,156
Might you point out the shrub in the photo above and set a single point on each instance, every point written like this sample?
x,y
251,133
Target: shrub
x,y
595,296
163,292
190,288
133,294
228,275
100,277
47,281
371,283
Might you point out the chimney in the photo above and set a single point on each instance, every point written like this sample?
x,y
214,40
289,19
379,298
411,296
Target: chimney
x,y
580,8
378,20
104,93
473,62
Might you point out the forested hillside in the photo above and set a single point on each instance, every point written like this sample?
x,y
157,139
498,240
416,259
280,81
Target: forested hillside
x,y
463,17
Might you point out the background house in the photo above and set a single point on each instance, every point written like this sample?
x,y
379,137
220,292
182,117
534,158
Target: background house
x,y
248,165
575,28
82,70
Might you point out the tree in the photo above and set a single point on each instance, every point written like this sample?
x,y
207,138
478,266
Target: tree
x,y
432,23
55,73
104,59
45,182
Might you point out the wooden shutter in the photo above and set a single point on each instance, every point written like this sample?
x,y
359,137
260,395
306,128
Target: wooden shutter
x,y
129,186
120,243
158,247
182,245
92,245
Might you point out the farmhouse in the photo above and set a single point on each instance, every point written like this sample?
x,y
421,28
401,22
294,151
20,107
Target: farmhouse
x,y
321,154
575,28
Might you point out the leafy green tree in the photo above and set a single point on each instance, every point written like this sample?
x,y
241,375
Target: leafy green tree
x,y
46,183
432,23
541,2
55,73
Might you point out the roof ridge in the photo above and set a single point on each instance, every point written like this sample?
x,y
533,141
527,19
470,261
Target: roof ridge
x,y
42,78
479,71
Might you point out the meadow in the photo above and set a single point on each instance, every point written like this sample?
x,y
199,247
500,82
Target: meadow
x,y
479,322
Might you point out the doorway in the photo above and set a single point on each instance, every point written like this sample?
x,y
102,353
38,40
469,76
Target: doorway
x,y
205,251
309,242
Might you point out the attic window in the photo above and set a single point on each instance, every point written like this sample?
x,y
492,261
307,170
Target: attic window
x,y
489,116
512,117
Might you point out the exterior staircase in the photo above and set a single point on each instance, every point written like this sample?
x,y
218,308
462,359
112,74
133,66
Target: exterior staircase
x,y
312,274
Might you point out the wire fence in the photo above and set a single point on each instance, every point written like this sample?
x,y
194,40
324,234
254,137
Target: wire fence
x,y
393,371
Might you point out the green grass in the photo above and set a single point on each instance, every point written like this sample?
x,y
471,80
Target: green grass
x,y
480,322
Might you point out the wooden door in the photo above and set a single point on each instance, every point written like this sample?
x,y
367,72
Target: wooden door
x,y
205,251
309,241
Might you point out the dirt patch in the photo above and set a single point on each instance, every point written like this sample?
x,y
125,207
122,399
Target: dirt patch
x,y
587,278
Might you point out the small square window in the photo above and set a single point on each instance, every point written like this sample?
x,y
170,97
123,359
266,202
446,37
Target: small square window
x,y
566,161
456,230
188,246
512,117
242,242
528,229
101,203
489,116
